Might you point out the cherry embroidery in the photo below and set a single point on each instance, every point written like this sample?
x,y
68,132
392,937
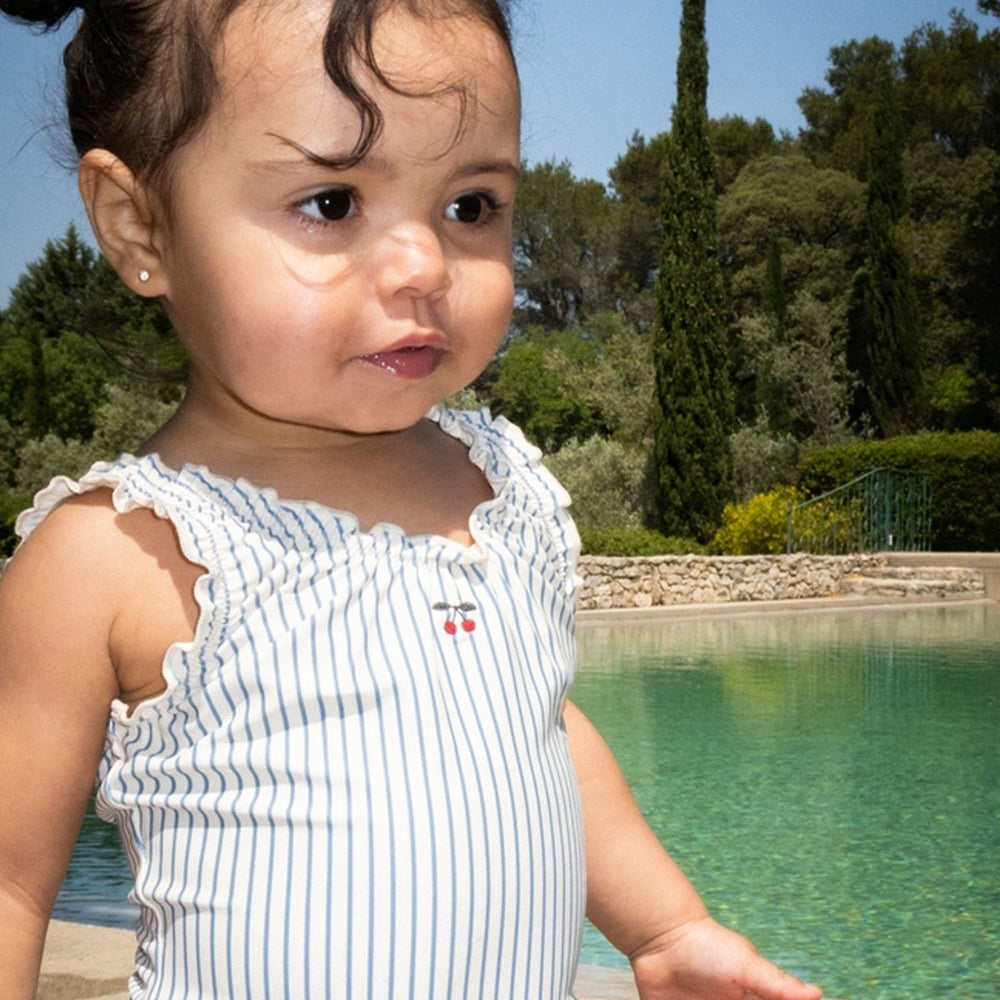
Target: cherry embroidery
x,y
460,612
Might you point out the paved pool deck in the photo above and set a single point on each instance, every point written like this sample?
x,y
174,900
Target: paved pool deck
x,y
837,603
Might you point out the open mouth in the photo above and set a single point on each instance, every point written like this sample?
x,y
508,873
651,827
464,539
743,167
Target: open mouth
x,y
407,362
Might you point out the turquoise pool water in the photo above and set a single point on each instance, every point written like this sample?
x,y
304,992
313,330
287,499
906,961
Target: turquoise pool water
x,y
829,781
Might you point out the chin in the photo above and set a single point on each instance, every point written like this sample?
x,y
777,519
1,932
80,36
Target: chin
x,y
383,424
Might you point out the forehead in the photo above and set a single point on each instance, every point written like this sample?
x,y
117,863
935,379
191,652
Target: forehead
x,y
272,52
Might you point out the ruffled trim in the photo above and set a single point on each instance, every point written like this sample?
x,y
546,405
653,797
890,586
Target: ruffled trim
x,y
510,449
496,447
194,500
520,481
119,477
62,488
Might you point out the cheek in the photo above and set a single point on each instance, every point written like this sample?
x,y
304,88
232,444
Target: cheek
x,y
492,295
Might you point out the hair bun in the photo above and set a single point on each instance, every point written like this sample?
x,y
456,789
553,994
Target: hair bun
x,y
47,12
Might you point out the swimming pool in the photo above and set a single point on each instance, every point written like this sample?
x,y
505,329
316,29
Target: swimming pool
x,y
829,781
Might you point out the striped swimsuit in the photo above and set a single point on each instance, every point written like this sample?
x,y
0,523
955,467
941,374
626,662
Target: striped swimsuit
x,y
357,783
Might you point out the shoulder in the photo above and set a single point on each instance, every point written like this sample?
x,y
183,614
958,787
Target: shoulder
x,y
78,536
104,527
60,544
83,569
56,613
62,570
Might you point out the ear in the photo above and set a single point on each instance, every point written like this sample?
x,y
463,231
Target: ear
x,y
122,216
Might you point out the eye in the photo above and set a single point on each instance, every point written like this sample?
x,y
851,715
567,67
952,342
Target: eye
x,y
471,208
333,205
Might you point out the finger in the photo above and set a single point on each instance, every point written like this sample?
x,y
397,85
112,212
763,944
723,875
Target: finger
x,y
765,981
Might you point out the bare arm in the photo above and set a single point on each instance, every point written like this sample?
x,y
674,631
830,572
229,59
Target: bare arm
x,y
634,888
56,683
642,902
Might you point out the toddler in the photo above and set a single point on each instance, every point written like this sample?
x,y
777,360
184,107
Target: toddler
x,y
315,638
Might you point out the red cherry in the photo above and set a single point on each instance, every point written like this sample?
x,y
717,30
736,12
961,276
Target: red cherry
x,y
469,625
450,627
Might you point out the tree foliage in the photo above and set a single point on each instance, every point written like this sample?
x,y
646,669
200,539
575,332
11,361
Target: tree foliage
x,y
571,384
564,247
840,122
67,315
950,87
814,215
735,142
784,273
68,394
539,381
946,84
122,422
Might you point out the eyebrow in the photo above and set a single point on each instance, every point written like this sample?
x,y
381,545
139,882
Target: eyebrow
x,y
379,164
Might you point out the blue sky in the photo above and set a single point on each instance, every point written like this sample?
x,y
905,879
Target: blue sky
x,y
594,72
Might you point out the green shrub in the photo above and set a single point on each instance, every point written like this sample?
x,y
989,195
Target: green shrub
x,y
964,471
124,421
834,526
757,526
605,479
11,504
632,541
761,460
42,459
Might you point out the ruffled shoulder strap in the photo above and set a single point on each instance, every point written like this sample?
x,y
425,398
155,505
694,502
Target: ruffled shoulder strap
x,y
207,537
101,475
137,482
524,487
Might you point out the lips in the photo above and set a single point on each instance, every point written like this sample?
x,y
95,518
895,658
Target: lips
x,y
412,362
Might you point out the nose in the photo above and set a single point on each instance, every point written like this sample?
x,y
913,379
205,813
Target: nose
x,y
411,262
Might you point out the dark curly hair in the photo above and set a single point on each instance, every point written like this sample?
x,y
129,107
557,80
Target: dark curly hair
x,y
140,74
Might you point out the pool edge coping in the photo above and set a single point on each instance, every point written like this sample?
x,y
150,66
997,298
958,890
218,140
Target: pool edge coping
x,y
801,605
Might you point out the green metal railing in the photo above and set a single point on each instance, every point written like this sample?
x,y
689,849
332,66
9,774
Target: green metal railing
x,y
882,510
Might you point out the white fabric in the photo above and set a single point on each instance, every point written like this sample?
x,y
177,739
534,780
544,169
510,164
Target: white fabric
x,y
335,797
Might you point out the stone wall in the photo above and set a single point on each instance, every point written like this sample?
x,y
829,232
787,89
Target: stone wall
x,y
644,582
611,582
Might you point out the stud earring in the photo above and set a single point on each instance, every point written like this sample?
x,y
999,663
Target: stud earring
x,y
144,275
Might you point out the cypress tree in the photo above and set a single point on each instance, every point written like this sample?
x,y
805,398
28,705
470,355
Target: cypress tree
x,y
693,401
883,346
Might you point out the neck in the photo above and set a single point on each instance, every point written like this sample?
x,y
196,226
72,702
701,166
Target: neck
x,y
418,478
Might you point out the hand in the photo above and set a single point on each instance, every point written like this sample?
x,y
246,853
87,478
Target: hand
x,y
702,960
